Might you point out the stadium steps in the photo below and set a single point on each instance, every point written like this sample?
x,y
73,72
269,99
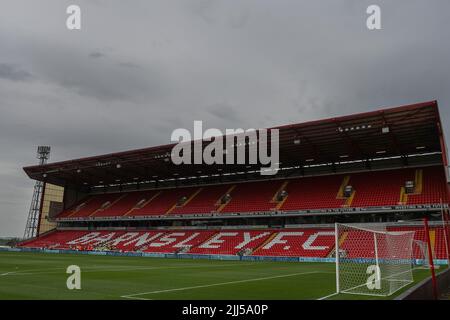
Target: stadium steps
x,y
341,241
330,252
200,243
270,238
340,194
171,209
223,205
144,204
403,196
146,246
281,188
349,201
419,181
192,196
75,209
343,238
279,204
107,206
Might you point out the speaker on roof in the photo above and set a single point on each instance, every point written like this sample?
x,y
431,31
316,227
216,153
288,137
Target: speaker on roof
x,y
348,190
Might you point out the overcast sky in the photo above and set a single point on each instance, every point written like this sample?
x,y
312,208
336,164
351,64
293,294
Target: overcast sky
x,y
139,69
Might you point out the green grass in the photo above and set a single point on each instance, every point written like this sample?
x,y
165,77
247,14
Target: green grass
x,y
43,276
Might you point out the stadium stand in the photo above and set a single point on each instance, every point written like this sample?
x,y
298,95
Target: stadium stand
x,y
252,197
299,243
388,165
204,200
317,243
231,242
314,193
176,241
92,205
432,187
370,189
378,188
126,204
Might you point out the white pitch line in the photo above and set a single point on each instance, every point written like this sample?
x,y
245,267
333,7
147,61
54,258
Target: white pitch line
x,y
135,298
328,296
120,269
217,284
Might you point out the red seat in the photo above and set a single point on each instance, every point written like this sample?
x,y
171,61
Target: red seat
x,y
297,242
371,189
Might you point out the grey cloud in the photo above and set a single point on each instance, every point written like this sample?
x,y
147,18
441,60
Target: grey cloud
x,y
13,73
128,65
100,79
96,55
224,111
240,19
138,70
203,9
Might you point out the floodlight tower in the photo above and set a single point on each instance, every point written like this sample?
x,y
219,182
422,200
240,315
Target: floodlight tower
x,y
43,153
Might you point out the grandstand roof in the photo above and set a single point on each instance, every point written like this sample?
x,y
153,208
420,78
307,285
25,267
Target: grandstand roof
x,y
412,129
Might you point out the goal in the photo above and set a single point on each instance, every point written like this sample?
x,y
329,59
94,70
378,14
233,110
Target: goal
x,y
422,262
371,260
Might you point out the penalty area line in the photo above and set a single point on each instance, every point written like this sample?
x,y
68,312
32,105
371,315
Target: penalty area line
x,y
135,295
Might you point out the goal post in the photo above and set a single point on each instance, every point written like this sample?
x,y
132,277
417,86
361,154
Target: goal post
x,y
446,231
422,260
371,260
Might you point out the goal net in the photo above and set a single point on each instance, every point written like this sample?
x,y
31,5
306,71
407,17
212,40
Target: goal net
x,y
422,261
371,260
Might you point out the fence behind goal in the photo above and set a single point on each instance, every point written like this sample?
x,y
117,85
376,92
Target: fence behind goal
x,y
371,260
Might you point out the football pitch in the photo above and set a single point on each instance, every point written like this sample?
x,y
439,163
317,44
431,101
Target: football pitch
x,y
25,275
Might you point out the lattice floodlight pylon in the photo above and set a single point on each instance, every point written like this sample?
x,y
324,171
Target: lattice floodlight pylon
x,y
31,228
371,260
